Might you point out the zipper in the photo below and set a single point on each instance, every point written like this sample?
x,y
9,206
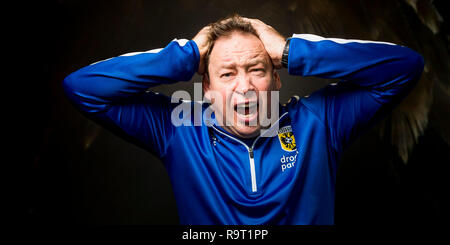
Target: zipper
x,y
250,153
250,156
252,169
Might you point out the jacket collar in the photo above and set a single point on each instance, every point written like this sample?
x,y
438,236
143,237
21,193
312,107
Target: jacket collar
x,y
267,133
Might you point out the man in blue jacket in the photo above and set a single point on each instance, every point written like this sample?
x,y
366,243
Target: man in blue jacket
x,y
233,169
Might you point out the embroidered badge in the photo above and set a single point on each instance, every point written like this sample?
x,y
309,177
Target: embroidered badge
x,y
287,139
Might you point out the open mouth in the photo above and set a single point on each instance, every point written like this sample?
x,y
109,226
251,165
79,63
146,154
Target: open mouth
x,y
247,110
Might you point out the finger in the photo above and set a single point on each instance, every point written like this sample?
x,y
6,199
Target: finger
x,y
255,21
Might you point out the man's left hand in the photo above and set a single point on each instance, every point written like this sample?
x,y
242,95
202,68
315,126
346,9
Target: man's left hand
x,y
273,41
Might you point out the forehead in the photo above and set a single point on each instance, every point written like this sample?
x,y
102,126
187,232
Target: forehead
x,y
238,48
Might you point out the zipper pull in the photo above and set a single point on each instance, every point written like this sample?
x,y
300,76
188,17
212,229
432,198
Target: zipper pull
x,y
250,151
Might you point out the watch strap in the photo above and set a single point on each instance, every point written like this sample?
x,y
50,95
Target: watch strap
x,y
285,55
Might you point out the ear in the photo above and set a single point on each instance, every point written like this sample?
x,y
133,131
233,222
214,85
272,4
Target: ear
x,y
205,85
277,80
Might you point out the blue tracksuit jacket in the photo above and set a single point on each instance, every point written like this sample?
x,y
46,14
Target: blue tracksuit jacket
x,y
218,178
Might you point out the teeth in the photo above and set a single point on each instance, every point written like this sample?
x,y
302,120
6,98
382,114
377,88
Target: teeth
x,y
249,105
246,110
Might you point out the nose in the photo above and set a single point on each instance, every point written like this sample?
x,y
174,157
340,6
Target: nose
x,y
244,84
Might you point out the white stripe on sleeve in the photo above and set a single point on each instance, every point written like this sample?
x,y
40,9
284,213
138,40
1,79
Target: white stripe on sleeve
x,y
315,38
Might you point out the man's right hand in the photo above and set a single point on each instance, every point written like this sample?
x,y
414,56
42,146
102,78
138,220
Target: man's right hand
x,y
201,39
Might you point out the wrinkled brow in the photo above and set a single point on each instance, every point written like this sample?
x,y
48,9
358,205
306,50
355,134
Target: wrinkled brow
x,y
253,62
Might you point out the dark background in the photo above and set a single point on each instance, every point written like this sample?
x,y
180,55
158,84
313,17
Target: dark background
x,y
70,171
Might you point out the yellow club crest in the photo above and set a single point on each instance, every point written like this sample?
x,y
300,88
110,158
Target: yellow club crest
x,y
287,139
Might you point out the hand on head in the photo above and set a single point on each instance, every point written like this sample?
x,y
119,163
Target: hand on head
x,y
202,41
272,40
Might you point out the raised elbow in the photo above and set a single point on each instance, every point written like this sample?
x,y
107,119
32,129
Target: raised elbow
x,y
414,64
73,88
69,85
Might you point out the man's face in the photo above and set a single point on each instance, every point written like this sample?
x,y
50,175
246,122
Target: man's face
x,y
239,69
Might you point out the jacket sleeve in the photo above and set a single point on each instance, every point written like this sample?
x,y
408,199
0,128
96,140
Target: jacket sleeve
x,y
114,92
374,77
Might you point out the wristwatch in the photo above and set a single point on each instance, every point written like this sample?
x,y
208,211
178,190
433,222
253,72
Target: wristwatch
x,y
285,55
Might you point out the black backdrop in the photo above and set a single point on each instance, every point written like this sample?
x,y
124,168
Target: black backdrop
x,y
72,172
